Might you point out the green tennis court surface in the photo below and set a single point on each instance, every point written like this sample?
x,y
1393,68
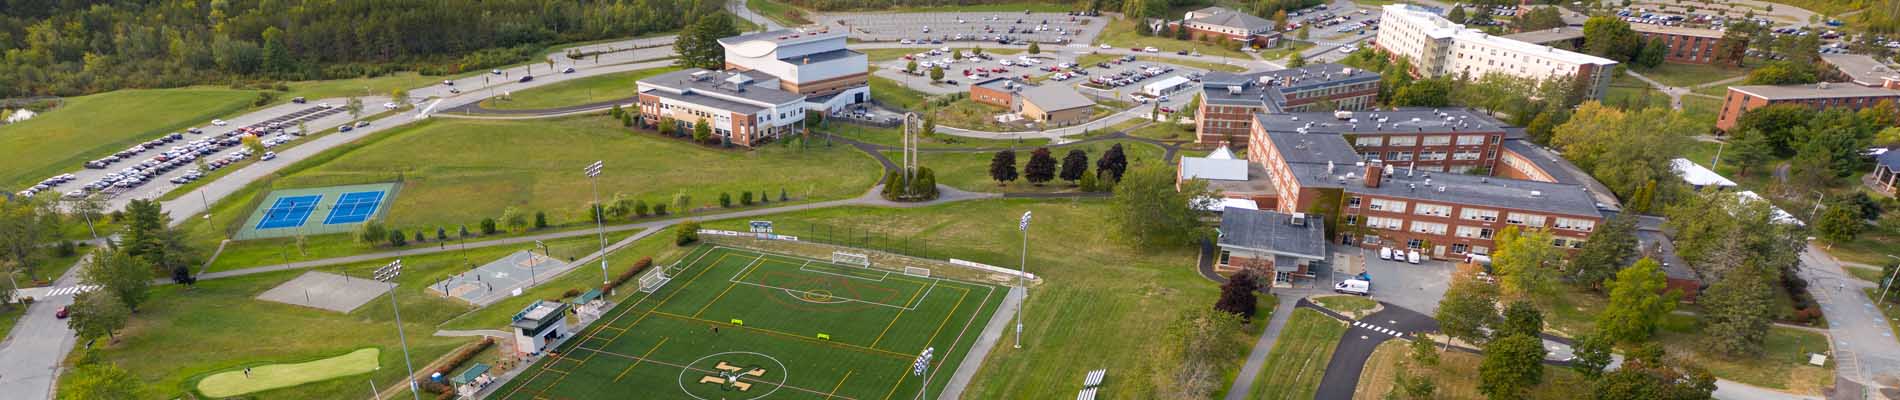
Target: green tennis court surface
x,y
662,345
292,212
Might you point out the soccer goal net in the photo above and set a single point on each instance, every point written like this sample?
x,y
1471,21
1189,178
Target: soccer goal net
x,y
917,272
653,279
858,259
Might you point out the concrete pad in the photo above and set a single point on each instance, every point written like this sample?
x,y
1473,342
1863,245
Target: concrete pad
x,y
326,291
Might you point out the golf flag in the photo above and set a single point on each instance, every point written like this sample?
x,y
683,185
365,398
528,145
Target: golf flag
x,y
1025,224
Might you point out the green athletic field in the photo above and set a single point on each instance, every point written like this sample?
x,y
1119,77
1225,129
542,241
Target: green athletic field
x,y
663,345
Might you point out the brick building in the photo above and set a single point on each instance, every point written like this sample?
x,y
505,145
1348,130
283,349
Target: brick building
x,y
1686,45
1229,101
744,108
1000,92
1230,24
1287,244
1822,95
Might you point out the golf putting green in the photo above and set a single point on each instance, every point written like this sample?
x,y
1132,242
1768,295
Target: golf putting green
x,y
273,376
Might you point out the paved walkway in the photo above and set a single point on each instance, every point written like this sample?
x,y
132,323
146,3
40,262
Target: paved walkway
x,y
471,333
992,333
1865,351
1257,359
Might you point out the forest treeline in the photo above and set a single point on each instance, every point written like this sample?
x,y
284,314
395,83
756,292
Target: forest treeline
x,y
72,47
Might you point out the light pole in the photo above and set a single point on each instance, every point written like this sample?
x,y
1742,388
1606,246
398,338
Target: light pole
x,y
1022,279
922,368
413,389
1818,198
1889,284
593,172
532,262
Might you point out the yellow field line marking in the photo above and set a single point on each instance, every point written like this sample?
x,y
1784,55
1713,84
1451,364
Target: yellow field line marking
x,y
834,389
894,354
900,315
643,357
729,286
933,338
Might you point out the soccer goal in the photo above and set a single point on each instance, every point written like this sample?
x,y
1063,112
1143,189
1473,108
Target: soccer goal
x,y
653,279
858,259
917,272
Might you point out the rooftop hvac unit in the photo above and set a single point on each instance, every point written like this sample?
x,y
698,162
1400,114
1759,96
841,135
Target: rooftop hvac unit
x,y
1343,115
1537,193
1233,90
1299,219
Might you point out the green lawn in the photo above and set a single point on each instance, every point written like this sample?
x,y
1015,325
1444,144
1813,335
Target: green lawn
x,y
222,314
971,170
377,86
587,90
894,137
1123,33
1159,131
49,266
969,114
1346,303
1299,357
487,166
1207,65
781,13
94,126
1456,375
1688,75
815,327
1866,274
1783,364
252,379
1286,49
1094,290
895,94
9,316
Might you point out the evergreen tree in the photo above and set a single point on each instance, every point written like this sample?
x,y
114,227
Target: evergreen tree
x,y
1041,167
702,131
1003,167
1521,318
1605,253
698,44
397,239
1457,14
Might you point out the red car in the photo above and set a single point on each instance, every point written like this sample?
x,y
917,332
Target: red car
x,y
61,314
1167,110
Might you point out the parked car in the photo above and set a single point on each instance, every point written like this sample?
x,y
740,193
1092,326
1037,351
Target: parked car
x,y
525,78
1385,253
1353,286
61,313
218,122
269,155
1413,257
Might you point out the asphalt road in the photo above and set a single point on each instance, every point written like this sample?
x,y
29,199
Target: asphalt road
x,y
30,356
1363,336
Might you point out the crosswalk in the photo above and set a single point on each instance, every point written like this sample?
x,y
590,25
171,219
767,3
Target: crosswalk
x,y
1379,329
71,290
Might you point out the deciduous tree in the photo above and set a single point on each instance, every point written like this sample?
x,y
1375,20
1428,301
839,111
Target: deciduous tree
x,y
1609,245
1637,303
117,273
1468,310
97,314
1074,165
1113,163
1003,167
1041,167
1512,365
1737,311
1147,210
1237,295
1526,263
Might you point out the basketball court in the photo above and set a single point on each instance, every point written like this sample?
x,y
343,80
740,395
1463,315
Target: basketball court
x,y
292,212
326,291
736,324
498,280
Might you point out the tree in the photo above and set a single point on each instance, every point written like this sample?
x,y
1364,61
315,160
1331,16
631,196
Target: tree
x,y
1304,32
1637,303
401,97
1003,167
1775,124
1603,255
936,74
911,67
1468,309
1782,73
1840,223
488,226
702,131
782,196
1520,318
1652,54
25,226
1196,345
1434,92
462,233
515,219
1279,20
441,233
1295,61
397,239
1737,312
251,143
1625,150
103,380
1074,165
1540,18
419,238
1652,379
745,198
355,106
96,315
1512,365
182,275
1457,14
1113,162
540,219
1593,355
668,126
1747,149
1034,49
698,44
725,200
1526,263
640,208
686,233
148,238
1423,352
1041,167
1732,48
1148,211
1236,296
117,273
681,202
1612,38
276,56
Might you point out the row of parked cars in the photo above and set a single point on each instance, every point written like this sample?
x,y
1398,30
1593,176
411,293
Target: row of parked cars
x,y
102,163
1130,76
47,184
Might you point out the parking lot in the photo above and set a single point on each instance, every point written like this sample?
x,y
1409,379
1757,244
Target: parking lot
x,y
1416,287
991,27
156,166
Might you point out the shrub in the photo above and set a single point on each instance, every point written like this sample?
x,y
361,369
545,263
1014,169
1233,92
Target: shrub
x,y
638,266
571,293
686,233
488,226
640,208
725,200
659,209
456,360
745,198
540,219
396,238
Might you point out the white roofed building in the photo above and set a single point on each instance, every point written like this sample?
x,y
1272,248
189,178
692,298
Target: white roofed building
x,y
813,62
1438,47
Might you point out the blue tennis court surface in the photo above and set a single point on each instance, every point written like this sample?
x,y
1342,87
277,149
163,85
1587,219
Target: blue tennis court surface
x,y
289,212
354,207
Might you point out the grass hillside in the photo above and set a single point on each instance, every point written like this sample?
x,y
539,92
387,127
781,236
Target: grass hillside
x,y
89,127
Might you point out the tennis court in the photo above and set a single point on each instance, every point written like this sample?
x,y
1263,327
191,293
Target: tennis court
x,y
743,324
289,212
354,207
292,212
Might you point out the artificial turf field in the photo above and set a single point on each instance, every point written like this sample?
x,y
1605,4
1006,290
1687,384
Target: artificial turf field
x,y
662,345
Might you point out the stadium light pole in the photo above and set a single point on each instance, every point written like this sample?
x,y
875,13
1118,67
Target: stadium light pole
x,y
413,389
1022,278
593,173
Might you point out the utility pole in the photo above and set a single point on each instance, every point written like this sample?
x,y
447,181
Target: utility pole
x,y
1888,285
593,172
1022,279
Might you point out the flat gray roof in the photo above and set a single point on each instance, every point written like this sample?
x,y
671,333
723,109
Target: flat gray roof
x,y
1055,97
1231,18
1863,69
1547,36
1822,90
1404,120
1254,92
717,82
822,56
1273,232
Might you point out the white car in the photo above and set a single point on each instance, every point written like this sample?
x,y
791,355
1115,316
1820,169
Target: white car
x,y
1105,46
218,122
389,105
269,155
1385,253
1414,257
1151,49
1349,49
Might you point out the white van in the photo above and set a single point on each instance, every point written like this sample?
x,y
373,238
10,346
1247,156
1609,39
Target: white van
x,y
1413,257
1385,253
1479,259
1354,286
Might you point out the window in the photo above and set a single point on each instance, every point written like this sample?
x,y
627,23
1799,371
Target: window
x,y
1525,219
1432,209
1415,244
1352,219
1369,141
1384,223
1402,141
1431,156
1479,214
1470,140
1432,228
1575,224
1437,140
1352,202
1224,256
1459,248
1401,156
1464,155
1480,250
1387,205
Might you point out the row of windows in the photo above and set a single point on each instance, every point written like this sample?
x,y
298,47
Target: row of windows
x,y
1439,229
1428,140
1468,155
1472,214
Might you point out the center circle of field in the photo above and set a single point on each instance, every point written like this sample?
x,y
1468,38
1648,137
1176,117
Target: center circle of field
x,y
819,296
690,375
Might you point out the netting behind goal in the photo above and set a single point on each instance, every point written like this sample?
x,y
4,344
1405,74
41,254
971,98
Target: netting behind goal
x,y
917,272
851,259
653,279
